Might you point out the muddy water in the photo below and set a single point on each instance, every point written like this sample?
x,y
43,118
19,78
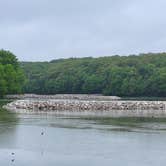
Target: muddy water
x,y
49,140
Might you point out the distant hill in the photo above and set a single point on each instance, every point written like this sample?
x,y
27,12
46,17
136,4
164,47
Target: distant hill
x,y
134,75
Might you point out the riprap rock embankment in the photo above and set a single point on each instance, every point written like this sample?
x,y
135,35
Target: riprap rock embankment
x,y
109,108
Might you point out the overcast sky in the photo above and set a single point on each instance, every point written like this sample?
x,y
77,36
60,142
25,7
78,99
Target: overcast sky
x,y
50,29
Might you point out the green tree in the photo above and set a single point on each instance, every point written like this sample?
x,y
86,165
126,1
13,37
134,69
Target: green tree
x,y
11,75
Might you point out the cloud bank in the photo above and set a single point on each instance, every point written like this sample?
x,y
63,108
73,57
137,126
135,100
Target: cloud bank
x,y
41,30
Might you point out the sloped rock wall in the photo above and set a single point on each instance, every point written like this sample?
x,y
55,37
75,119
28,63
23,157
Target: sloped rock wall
x,y
112,108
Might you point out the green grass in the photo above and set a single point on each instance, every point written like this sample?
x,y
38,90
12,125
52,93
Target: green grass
x,y
5,116
145,98
3,102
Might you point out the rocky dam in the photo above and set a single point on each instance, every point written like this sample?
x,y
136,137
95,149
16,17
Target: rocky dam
x,y
88,105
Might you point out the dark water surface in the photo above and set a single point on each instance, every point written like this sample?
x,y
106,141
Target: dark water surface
x,y
50,140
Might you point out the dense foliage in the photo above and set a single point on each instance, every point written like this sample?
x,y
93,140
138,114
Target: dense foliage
x,y
143,75
11,75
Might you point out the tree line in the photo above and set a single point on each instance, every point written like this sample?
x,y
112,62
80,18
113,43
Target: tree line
x,y
134,75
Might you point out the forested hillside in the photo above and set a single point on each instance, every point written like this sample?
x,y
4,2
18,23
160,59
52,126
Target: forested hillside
x,y
11,75
143,75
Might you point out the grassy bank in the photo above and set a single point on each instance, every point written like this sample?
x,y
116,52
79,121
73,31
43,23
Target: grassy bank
x,y
5,116
145,98
3,102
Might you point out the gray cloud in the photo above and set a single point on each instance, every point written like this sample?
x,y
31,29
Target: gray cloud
x,y
51,29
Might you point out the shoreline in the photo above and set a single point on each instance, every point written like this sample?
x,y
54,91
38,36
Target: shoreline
x,y
64,97
113,108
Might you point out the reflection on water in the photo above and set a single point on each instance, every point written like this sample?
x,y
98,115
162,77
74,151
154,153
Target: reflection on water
x,y
8,128
44,139
96,123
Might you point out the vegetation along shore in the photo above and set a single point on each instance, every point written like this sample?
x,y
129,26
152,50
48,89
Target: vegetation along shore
x,y
72,84
128,76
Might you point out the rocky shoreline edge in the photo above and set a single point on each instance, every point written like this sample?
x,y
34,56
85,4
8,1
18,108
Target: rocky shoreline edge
x,y
112,108
64,97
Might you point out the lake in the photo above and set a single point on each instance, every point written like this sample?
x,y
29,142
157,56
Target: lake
x,y
49,140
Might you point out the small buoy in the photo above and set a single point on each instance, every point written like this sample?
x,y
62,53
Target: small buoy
x,y
12,160
13,153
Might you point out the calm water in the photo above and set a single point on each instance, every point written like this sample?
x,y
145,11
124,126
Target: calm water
x,y
80,141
